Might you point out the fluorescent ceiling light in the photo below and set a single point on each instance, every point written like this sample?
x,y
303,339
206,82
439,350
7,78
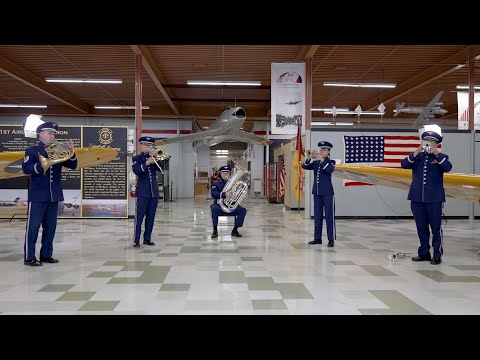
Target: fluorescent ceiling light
x,y
111,107
331,123
354,113
466,87
224,83
22,106
363,85
328,109
87,80
222,156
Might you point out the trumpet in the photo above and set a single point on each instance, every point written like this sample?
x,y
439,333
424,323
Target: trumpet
x,y
310,154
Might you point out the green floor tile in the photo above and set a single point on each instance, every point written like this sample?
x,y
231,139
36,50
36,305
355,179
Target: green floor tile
x,y
76,296
261,283
102,274
398,304
12,257
438,276
293,291
251,258
377,270
175,287
347,262
99,306
231,277
269,305
57,287
466,267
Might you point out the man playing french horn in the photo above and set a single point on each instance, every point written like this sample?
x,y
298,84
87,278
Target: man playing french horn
x,y
146,165
219,195
43,163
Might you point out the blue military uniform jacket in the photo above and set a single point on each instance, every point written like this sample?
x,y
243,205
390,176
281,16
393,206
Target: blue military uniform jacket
x,y
322,184
44,187
217,189
147,185
427,176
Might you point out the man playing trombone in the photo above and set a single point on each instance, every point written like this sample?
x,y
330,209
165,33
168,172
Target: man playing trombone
x,y
146,166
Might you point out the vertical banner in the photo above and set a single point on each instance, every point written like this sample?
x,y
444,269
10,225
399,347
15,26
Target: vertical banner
x,y
463,121
288,97
104,187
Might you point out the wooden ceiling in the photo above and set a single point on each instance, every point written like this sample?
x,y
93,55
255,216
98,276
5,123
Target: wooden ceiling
x,y
420,72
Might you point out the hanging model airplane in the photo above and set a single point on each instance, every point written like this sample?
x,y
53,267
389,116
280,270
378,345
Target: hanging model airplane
x,y
434,107
11,162
457,185
225,127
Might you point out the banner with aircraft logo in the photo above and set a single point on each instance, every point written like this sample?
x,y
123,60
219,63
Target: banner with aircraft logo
x,y
287,97
463,121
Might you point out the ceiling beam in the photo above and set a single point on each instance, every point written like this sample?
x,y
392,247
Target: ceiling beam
x,y
38,83
433,73
155,74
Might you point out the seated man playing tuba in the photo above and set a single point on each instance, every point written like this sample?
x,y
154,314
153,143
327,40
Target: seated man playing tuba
x,y
223,191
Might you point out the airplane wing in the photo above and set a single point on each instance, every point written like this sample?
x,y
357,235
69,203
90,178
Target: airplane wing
x,y
200,136
457,185
209,137
11,162
244,136
425,114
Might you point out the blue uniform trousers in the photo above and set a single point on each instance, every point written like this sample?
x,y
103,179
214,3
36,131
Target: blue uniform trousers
x,y
320,202
239,214
429,214
145,206
44,213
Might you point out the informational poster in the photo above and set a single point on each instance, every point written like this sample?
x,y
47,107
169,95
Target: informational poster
x,y
104,187
288,97
99,191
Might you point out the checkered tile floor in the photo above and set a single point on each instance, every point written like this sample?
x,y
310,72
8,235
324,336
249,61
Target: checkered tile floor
x,y
270,270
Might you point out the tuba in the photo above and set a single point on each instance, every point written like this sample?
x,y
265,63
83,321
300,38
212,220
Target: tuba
x,y
57,152
237,187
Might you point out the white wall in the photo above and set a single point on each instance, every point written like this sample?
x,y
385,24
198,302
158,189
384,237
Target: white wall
x,y
379,201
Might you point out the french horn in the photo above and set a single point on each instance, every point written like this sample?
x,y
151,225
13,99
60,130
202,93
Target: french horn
x,y
57,152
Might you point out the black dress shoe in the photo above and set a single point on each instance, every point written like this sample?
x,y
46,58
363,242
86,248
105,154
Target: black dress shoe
x,y
136,244
151,243
49,260
422,258
214,235
330,243
436,261
33,262
236,233
315,242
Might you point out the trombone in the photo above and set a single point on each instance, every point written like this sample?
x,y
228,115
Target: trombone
x,y
159,154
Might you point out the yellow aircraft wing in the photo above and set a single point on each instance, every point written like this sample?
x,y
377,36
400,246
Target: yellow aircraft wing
x,y
11,162
457,185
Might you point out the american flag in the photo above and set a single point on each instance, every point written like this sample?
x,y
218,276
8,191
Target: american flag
x,y
385,151
281,189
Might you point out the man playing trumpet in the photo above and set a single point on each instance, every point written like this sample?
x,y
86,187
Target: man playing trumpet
x,y
45,191
322,190
146,166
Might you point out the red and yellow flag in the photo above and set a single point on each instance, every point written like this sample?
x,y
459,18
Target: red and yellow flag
x,y
297,165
